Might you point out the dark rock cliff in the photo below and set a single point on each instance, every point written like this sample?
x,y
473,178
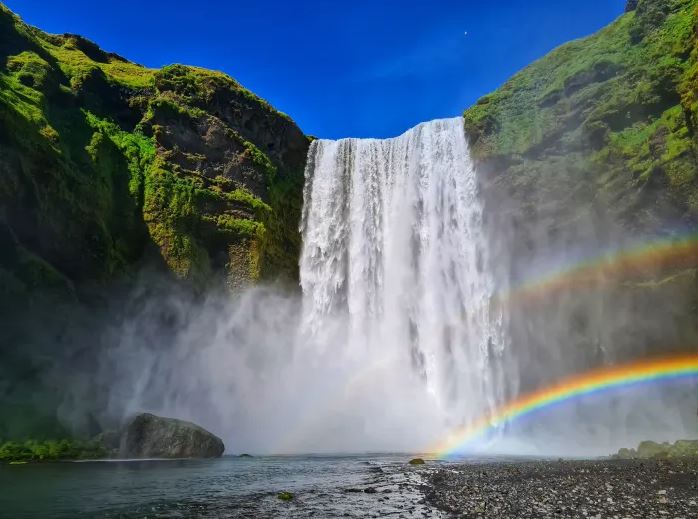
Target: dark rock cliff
x,y
589,161
150,436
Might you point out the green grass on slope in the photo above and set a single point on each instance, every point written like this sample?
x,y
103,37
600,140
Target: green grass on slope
x,y
78,121
620,106
101,162
63,183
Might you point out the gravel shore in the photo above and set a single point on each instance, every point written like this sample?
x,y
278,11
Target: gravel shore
x,y
561,489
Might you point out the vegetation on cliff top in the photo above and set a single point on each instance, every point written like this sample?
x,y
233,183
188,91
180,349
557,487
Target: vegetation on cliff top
x,y
101,157
615,112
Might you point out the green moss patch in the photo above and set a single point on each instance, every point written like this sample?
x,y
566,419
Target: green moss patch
x,y
94,153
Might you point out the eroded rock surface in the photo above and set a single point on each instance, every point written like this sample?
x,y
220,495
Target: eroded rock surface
x,y
151,436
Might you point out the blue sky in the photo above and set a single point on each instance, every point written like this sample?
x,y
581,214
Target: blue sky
x,y
340,69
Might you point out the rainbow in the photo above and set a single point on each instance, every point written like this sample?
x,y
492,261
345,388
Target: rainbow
x,y
597,381
639,261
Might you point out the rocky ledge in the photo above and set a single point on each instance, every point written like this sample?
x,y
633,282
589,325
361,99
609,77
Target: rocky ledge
x,y
579,489
150,436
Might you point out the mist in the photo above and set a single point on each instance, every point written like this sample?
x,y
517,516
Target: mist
x,y
244,369
409,322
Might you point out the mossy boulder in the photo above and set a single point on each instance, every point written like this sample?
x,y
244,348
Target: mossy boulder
x,y
650,449
416,461
684,449
654,450
625,454
151,436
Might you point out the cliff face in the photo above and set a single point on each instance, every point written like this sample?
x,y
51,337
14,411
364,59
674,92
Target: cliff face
x,y
109,169
594,148
102,161
614,113
106,166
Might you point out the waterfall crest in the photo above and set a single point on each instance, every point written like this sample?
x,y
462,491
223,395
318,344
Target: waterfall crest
x,y
393,239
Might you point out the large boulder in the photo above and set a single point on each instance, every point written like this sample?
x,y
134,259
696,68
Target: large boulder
x,y
150,436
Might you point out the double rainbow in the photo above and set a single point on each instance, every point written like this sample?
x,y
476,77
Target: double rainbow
x,y
598,381
649,258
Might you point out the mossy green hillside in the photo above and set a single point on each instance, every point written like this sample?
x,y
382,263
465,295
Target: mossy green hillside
x,y
107,167
611,116
102,157
593,148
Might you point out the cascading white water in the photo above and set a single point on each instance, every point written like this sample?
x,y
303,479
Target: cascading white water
x,y
393,238
395,341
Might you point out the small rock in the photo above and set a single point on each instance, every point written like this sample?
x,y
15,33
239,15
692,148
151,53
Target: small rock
x,y
416,461
285,496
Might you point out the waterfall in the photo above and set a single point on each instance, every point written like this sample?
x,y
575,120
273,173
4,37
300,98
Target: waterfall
x,y
402,332
394,249
394,342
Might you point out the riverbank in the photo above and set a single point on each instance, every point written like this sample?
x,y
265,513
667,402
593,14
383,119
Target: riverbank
x,y
584,489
